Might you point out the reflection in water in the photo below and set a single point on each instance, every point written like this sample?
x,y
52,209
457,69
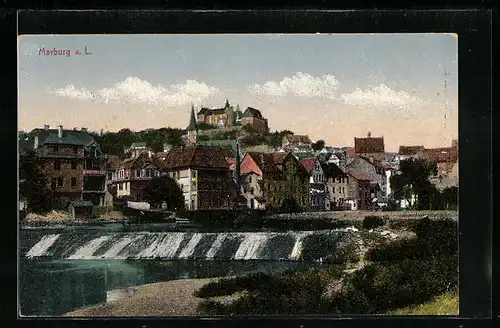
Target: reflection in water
x,y
56,287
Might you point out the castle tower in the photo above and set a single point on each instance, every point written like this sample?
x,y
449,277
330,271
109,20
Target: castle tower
x,y
192,130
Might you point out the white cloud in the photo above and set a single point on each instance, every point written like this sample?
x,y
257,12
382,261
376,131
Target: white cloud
x,y
135,90
300,84
71,92
382,96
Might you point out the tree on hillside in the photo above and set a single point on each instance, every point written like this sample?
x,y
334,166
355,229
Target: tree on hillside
x,y
414,180
165,189
33,184
318,145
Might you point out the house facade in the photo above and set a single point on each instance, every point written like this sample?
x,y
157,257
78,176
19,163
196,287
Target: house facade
x,y
251,191
281,177
336,188
203,175
73,163
133,176
317,183
359,191
375,171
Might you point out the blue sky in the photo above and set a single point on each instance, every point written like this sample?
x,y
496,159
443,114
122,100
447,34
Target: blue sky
x,y
332,87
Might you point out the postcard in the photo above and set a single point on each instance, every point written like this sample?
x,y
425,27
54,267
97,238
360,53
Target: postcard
x,y
212,175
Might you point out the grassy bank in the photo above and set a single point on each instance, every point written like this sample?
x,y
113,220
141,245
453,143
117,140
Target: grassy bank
x,y
396,275
445,304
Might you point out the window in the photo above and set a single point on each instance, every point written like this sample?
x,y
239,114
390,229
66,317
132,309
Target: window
x,y
339,190
73,182
251,191
249,179
137,173
75,150
57,165
59,182
53,184
120,187
343,190
73,165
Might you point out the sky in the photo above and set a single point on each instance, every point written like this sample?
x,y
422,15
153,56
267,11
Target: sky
x,y
332,87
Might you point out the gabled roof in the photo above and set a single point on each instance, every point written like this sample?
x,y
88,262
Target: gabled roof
x,y
211,111
252,112
444,154
359,176
410,150
196,157
137,162
369,145
268,162
295,138
69,137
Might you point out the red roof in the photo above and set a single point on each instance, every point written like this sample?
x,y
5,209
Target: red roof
x,y
196,157
410,150
308,163
137,162
359,176
369,145
439,155
161,155
298,138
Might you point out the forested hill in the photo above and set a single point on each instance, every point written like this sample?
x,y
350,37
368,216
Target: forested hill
x,y
114,143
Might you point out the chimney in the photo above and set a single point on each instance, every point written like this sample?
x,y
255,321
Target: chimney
x,y
74,129
369,135
46,127
84,129
36,143
60,131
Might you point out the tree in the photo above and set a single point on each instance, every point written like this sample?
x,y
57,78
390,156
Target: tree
x,y
414,180
450,198
165,189
318,145
34,185
290,205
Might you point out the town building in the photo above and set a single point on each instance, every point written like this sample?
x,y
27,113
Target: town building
x,y
290,141
204,176
359,191
336,187
281,176
317,182
228,118
370,147
133,176
73,163
375,170
136,149
252,192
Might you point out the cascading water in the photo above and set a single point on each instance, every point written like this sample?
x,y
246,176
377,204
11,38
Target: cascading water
x,y
184,245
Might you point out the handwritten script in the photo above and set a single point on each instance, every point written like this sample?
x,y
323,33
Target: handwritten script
x,y
63,52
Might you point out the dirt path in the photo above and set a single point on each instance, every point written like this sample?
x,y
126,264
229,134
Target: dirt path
x,y
171,298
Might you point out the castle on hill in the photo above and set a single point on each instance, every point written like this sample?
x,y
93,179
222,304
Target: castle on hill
x,y
228,118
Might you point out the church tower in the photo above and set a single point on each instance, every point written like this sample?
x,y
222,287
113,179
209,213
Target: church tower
x,y
192,130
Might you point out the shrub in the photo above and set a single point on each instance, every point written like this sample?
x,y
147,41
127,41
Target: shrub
x,y
371,222
390,286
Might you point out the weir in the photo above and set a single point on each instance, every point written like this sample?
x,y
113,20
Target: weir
x,y
288,246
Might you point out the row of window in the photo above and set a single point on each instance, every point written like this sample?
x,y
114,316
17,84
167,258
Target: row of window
x,y
57,165
59,183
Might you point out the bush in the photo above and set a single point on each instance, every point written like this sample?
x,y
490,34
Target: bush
x,y
371,222
390,286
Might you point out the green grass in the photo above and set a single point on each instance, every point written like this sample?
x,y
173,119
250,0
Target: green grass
x,y
445,304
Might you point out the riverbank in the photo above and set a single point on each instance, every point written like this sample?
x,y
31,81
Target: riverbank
x,y
171,298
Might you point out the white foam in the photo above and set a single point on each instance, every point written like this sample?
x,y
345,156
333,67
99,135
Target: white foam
x,y
189,249
297,247
164,246
216,245
42,246
112,253
251,246
87,250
